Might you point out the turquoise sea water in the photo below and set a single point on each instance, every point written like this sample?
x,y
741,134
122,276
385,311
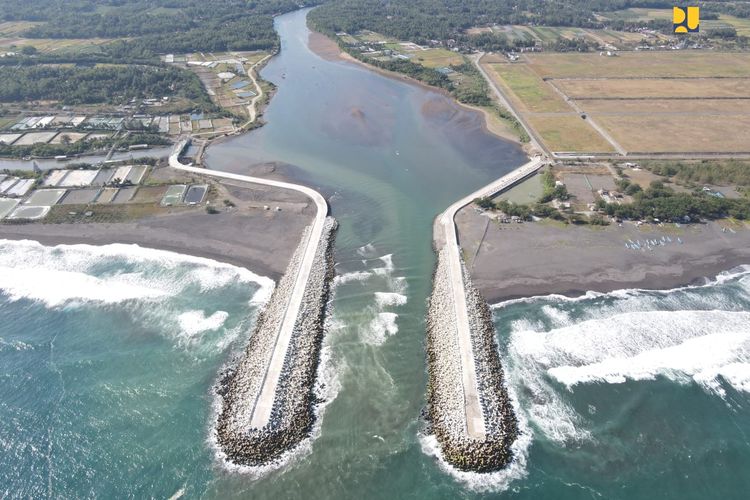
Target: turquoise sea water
x,y
108,356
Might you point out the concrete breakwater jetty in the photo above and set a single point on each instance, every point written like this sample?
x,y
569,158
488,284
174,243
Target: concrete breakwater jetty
x,y
475,426
267,400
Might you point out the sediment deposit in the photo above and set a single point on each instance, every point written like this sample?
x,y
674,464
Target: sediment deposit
x,y
445,394
293,412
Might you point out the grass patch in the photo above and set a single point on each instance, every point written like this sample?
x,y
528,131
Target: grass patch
x,y
114,213
437,58
530,90
566,133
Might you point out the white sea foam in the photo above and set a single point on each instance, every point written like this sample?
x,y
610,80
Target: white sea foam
x,y
399,285
194,322
366,250
679,345
56,275
349,277
55,288
388,265
380,328
495,481
16,345
740,273
706,347
385,299
558,317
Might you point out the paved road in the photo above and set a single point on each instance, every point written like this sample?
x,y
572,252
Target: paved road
x,y
474,418
264,403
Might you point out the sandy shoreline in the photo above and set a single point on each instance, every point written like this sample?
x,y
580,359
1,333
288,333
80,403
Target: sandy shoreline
x,y
245,235
523,260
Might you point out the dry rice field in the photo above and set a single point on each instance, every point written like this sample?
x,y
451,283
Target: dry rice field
x,y
569,133
693,133
657,64
655,87
692,102
667,106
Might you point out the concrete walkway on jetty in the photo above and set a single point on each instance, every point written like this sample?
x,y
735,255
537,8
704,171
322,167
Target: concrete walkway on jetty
x,y
264,404
475,425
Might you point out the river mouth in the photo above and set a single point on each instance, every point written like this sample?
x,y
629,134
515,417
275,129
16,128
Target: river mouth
x,y
392,155
108,376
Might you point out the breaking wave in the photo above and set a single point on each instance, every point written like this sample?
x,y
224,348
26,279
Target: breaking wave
x,y
63,274
157,289
376,320
384,299
697,335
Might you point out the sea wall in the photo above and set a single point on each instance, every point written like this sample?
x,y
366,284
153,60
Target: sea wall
x,y
293,412
445,396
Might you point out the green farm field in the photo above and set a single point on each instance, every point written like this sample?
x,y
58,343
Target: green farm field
x,y
569,133
436,58
530,91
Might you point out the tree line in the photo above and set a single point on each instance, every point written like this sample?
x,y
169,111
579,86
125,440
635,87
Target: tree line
x,y
99,84
661,202
420,21
148,27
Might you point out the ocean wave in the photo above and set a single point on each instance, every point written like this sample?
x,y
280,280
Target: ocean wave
x,y
374,322
399,285
367,250
382,326
710,348
194,322
679,345
55,288
111,273
350,277
739,273
388,268
385,299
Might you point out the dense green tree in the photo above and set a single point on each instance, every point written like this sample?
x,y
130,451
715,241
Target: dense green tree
x,y
101,84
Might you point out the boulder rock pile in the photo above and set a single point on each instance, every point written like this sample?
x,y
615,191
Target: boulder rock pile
x,y
293,412
446,409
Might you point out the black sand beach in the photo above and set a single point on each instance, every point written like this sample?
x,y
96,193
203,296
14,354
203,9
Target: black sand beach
x,y
245,235
540,258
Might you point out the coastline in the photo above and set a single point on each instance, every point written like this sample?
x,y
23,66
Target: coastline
x,y
511,261
327,49
229,237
